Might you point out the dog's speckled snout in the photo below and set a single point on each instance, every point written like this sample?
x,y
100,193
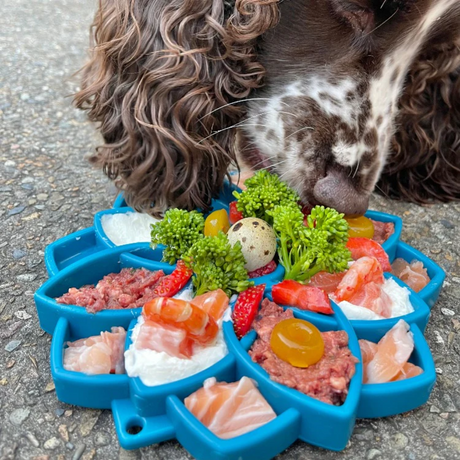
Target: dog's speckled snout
x,y
337,191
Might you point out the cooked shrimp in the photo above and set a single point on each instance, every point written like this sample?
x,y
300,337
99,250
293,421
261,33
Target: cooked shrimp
x,y
184,315
363,271
372,296
214,303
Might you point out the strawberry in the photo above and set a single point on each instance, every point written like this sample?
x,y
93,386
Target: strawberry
x,y
171,284
295,294
364,247
262,271
234,214
246,308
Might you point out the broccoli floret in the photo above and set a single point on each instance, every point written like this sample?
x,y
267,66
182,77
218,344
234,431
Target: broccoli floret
x,y
264,191
217,264
178,231
305,250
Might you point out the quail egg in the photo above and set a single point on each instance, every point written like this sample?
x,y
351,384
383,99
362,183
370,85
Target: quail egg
x,y
258,241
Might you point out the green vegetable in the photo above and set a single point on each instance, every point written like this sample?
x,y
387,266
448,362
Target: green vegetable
x,y
264,191
217,265
178,231
305,250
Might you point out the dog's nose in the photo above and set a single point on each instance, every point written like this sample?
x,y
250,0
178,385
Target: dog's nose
x,y
335,190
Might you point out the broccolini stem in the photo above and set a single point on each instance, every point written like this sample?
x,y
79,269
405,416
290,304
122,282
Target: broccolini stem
x,y
310,273
299,275
285,258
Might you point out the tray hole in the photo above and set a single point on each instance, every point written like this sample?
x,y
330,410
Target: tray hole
x,y
134,426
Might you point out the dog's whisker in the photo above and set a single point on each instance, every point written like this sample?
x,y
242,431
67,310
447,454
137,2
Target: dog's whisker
x,y
279,163
382,24
239,102
271,165
357,168
299,130
382,191
288,171
241,123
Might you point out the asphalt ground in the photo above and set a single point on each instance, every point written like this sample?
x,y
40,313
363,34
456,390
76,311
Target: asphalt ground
x,y
48,190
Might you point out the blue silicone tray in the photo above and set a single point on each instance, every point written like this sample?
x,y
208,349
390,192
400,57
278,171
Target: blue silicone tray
x,y
147,415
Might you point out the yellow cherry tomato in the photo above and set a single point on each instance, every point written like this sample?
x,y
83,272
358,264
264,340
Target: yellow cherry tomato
x,y
215,222
297,342
360,227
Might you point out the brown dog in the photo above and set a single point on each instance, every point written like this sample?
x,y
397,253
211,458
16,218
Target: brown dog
x,y
330,94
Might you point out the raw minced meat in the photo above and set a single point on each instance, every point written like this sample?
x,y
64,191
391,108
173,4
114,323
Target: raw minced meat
x,y
131,288
327,380
382,231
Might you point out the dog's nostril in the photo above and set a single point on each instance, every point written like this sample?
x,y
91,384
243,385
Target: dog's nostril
x,y
335,190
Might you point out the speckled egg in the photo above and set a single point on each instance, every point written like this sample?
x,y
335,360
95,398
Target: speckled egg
x,y
258,241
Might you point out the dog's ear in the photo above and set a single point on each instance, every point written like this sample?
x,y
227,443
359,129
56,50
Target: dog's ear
x,y
163,82
359,14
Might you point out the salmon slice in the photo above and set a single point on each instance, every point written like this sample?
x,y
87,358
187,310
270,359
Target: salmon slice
x,y
102,354
394,350
230,409
328,282
368,351
364,270
409,370
364,247
413,274
372,296
164,338
214,303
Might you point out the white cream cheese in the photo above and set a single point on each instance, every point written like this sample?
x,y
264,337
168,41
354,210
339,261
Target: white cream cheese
x,y
156,368
128,227
400,303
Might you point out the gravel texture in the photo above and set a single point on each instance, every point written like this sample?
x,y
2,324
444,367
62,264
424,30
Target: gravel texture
x,y
47,190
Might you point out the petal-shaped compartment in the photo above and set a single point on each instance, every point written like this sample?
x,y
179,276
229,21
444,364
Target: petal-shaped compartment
x,y
70,249
94,391
262,443
151,400
315,415
90,270
430,292
386,399
370,329
106,240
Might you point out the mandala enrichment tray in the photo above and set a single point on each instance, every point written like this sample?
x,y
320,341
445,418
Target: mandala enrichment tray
x,y
146,415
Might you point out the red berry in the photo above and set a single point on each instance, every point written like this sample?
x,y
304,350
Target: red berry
x,y
246,308
171,284
234,214
295,294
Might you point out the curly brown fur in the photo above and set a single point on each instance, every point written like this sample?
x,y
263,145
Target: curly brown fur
x,y
160,78
425,163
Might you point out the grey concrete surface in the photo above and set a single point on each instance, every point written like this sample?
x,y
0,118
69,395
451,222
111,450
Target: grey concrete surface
x,y
47,190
